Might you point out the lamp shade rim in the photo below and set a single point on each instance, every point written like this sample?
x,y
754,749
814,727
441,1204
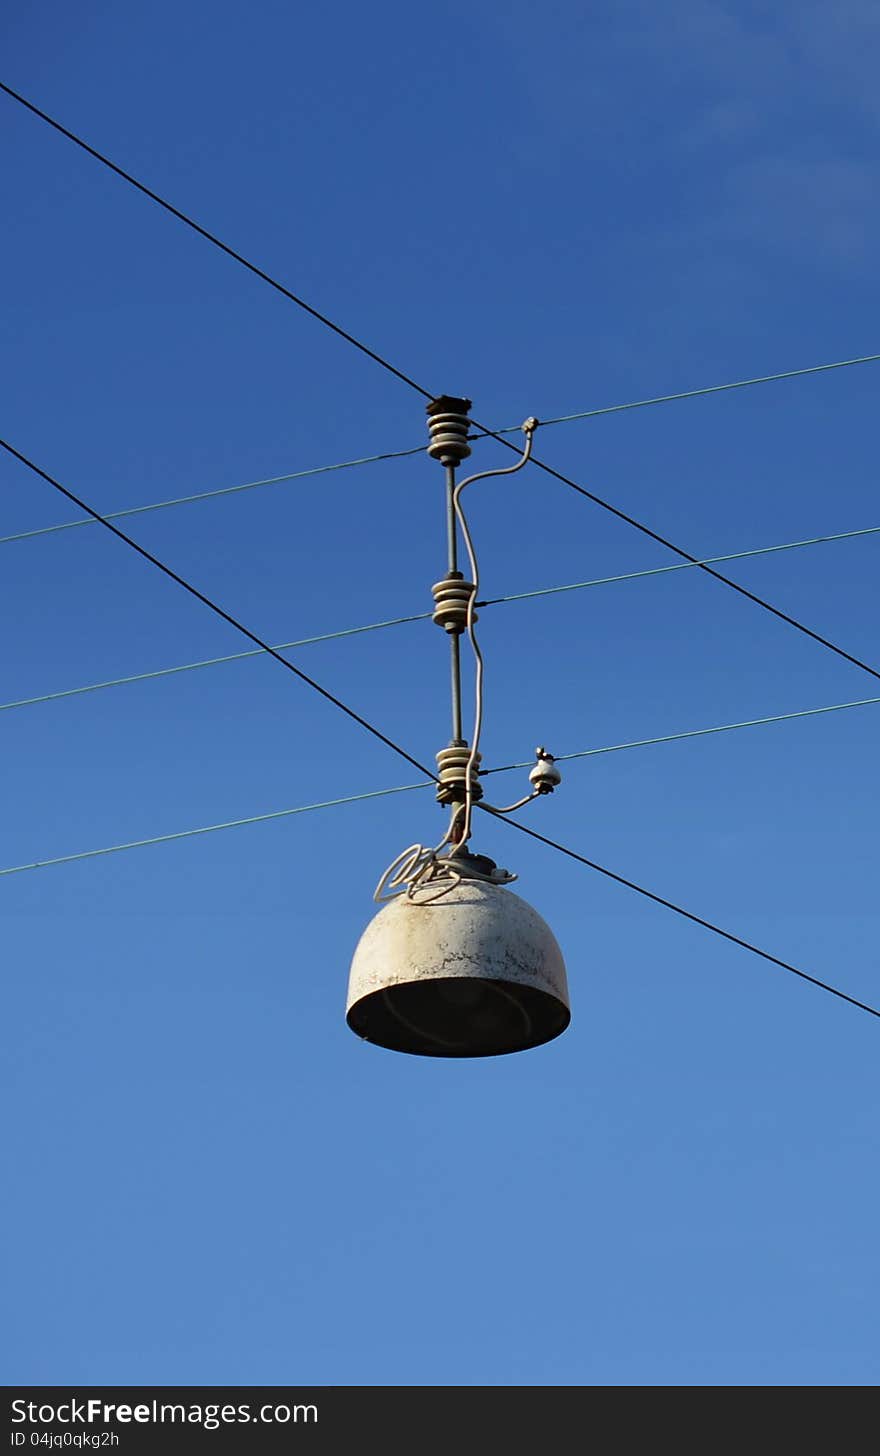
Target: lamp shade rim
x,y
390,1019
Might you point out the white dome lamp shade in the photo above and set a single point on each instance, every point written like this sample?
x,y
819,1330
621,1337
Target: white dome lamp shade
x,y
474,972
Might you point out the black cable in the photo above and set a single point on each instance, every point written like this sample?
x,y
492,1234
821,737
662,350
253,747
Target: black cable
x,y
686,556
211,238
218,610
686,914
401,752
427,394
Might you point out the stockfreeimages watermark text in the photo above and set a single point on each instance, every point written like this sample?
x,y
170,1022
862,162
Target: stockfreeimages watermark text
x,y
211,1417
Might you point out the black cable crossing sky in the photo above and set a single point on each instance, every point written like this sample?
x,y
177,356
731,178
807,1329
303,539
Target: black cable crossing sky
x,y
212,238
695,560
401,752
217,609
686,914
429,394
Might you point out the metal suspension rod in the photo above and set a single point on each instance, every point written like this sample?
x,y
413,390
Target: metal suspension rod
x,y
455,663
448,428
454,638
451,523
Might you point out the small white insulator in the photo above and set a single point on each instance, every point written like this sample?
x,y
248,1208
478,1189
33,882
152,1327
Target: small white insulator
x,y
545,776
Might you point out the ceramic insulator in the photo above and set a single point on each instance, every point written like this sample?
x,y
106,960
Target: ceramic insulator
x,y
452,766
448,426
451,598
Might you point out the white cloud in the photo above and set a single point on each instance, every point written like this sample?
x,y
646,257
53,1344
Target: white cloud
x,y
761,119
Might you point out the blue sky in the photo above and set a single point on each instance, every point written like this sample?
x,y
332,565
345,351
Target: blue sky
x,y
211,1180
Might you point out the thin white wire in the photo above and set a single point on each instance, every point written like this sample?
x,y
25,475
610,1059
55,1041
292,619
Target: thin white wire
x,y
529,428
414,869
511,808
417,866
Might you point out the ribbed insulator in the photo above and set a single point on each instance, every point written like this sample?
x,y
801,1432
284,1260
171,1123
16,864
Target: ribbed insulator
x,y
451,597
448,426
452,769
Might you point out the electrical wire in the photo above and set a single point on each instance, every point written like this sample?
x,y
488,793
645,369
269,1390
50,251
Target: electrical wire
x,y
215,241
613,409
419,866
572,854
61,859
356,343
219,611
204,495
429,394
406,788
689,733
519,804
216,608
679,566
529,427
693,560
687,914
546,591
429,783
159,672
